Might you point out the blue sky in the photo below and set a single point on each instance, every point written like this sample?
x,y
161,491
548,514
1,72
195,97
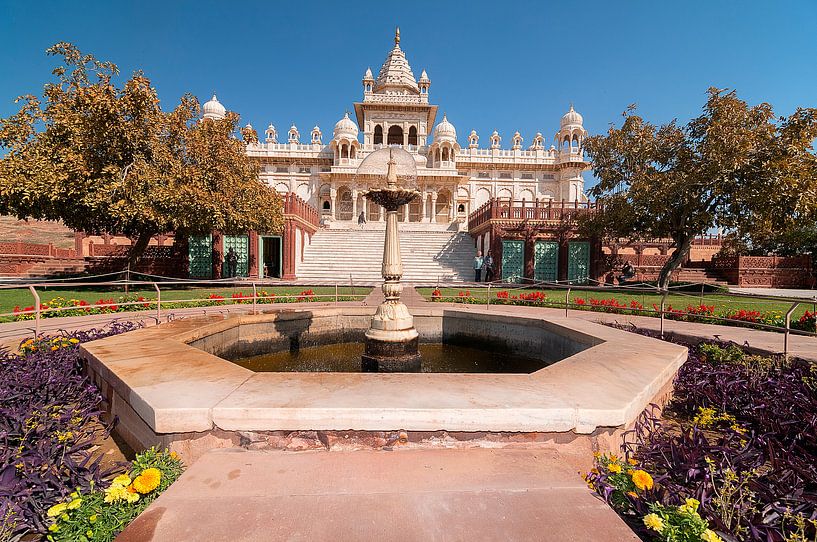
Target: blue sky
x,y
494,65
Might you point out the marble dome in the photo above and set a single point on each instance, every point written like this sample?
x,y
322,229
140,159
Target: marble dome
x,y
377,163
213,109
345,127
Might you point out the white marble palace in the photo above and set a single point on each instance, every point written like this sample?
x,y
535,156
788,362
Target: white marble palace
x,y
454,180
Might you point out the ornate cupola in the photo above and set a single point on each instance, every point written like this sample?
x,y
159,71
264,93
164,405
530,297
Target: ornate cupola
x,y
316,136
571,134
270,134
293,135
424,83
495,140
517,141
368,82
345,128
473,140
213,109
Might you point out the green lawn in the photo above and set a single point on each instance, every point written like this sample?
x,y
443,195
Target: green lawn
x,y
21,297
722,302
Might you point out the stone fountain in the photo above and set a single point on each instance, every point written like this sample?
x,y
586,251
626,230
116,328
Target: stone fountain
x,y
391,341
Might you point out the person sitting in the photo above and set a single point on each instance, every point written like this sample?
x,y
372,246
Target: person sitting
x,y
627,273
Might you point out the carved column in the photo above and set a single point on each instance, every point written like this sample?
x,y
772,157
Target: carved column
x,y
433,217
252,259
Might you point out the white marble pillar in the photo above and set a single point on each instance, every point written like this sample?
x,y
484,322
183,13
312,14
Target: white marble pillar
x,y
354,205
433,217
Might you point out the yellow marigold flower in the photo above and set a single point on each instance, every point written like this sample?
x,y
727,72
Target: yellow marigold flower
x,y
73,340
76,503
92,518
654,522
74,495
89,533
54,528
174,455
642,479
613,457
614,467
122,480
115,493
64,516
710,536
53,348
57,509
148,480
632,494
632,462
689,507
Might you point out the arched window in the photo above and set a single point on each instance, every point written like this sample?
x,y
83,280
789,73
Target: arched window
x,y
326,205
445,154
344,151
460,208
352,151
378,134
412,140
395,135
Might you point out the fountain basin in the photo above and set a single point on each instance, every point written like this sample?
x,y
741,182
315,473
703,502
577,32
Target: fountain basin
x,y
171,385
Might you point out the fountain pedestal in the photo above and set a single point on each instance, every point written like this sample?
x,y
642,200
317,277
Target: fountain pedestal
x,y
391,341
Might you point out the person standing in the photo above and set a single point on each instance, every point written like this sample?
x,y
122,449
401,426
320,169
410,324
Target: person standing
x,y
488,266
361,219
232,263
478,261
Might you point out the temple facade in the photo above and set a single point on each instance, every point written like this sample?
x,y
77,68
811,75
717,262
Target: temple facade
x,y
454,179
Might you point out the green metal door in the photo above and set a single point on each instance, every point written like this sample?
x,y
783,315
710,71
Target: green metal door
x,y
578,262
200,257
513,261
241,245
546,261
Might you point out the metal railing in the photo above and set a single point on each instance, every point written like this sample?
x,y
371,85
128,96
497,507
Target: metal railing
x,y
238,301
661,309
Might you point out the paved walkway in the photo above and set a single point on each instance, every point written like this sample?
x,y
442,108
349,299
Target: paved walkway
x,y
777,292
405,495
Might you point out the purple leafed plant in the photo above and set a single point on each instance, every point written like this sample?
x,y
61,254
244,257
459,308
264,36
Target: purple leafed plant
x,y
49,425
756,474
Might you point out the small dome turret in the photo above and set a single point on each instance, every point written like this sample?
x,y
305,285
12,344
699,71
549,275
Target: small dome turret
x,y
445,131
345,127
213,109
571,118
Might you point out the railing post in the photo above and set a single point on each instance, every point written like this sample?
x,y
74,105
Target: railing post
x,y
567,301
158,303
788,329
254,297
663,304
37,311
336,292
488,298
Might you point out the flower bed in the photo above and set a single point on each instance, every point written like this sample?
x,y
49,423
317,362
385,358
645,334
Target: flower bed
x,y
58,306
100,514
50,428
691,313
733,457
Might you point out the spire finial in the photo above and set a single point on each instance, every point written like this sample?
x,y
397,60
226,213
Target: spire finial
x,y
397,36
571,106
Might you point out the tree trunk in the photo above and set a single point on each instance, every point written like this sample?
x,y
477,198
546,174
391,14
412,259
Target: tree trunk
x,y
138,248
682,244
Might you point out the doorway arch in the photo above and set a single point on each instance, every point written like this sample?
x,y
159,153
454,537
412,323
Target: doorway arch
x,y
395,135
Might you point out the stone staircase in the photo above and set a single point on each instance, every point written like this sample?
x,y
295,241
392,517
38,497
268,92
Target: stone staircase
x,y
691,274
429,255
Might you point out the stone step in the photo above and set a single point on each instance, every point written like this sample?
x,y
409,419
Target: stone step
x,y
428,256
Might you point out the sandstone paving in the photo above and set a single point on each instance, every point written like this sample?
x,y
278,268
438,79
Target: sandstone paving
x,y
402,495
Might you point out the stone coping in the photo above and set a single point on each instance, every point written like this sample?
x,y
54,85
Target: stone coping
x,y
177,388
